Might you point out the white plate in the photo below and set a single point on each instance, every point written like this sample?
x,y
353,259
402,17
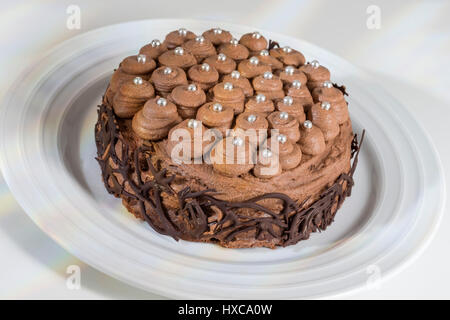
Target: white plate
x,y
47,156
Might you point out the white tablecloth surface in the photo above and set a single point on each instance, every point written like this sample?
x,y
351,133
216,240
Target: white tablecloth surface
x,y
409,54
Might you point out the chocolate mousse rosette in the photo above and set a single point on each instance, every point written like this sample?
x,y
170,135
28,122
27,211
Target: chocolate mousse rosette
x,y
200,48
327,92
254,41
252,67
312,141
294,108
253,124
131,97
155,119
268,85
230,96
289,74
323,117
260,104
217,36
215,116
237,80
185,141
289,153
117,79
285,124
188,98
166,78
178,37
222,63
154,49
233,156
267,165
177,57
266,58
288,56
234,50
138,65
300,94
203,75
315,73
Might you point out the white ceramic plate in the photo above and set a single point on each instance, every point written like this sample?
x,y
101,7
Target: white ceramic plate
x,y
47,156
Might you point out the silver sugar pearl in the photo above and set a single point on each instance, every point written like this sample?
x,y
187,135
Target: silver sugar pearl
x,y
264,53
284,115
237,141
327,84
289,70
228,86
221,57
161,102
296,84
315,64
254,60
235,74
192,123
138,81
260,98
167,70
325,105
266,153
287,49
205,67
182,32
155,43
217,31
288,100
307,124
141,58
192,87
268,75
179,51
251,118
282,138
200,39
256,35
234,42
217,107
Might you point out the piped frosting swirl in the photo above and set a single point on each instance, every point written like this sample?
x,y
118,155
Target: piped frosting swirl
x,y
131,97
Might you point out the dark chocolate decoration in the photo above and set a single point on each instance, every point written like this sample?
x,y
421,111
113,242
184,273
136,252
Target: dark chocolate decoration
x,y
273,44
122,168
341,88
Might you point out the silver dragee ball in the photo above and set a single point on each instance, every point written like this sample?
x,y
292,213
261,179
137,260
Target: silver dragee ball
x,y
237,141
235,74
234,42
325,105
287,49
268,75
192,123
221,57
155,43
217,31
288,100
138,81
256,35
200,39
167,70
254,60
284,115
266,153
161,102
182,32
260,98
179,51
228,86
327,84
282,138
192,87
289,70
296,84
315,64
217,107
142,58
205,67
264,53
307,124
251,118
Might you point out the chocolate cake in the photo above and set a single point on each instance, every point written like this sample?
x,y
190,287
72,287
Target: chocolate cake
x,y
240,143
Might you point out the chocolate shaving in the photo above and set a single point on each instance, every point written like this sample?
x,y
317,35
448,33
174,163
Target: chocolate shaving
x,y
273,44
122,175
341,88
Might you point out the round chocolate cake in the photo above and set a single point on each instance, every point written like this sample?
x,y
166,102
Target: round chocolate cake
x,y
241,143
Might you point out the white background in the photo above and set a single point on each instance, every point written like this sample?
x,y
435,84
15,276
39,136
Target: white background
x,y
409,55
